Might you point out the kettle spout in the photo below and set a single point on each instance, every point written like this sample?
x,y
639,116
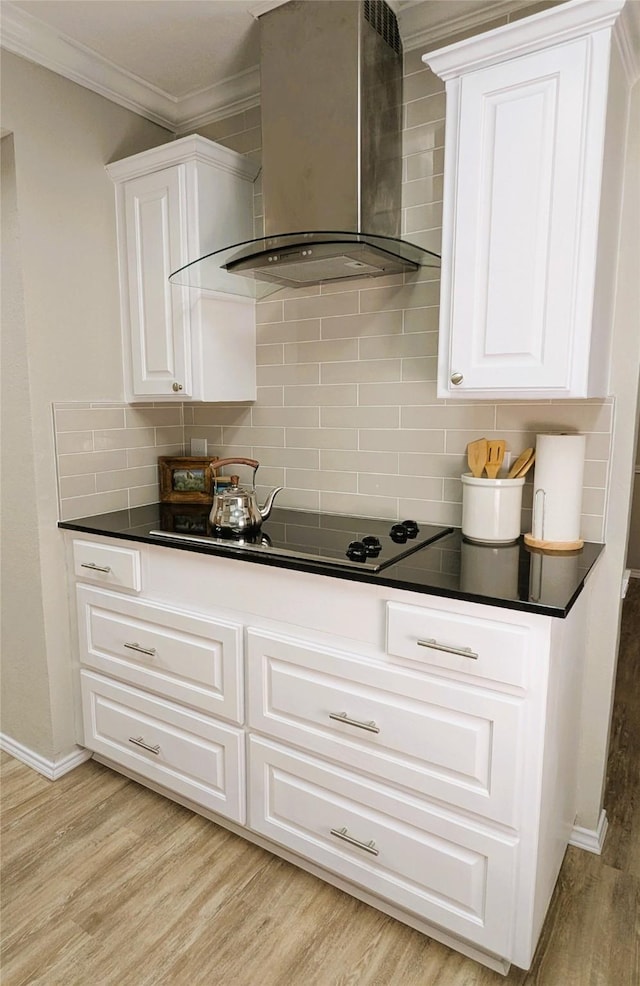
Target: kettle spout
x,y
268,504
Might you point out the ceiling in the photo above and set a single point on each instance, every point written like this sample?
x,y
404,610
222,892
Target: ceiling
x,y
184,63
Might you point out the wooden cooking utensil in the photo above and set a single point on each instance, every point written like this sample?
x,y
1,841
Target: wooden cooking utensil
x,y
526,467
521,461
495,456
477,456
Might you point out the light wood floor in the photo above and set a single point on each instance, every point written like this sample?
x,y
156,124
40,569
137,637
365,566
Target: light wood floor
x,y
108,884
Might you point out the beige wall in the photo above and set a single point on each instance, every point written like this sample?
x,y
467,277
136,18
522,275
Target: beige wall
x,y
25,675
61,339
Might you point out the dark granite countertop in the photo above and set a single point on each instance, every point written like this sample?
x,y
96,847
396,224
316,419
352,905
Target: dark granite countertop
x,y
510,576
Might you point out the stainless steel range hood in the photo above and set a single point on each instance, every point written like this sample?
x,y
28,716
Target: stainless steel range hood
x,y
331,104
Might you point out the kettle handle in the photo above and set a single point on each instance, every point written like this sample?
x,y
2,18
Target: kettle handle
x,y
218,463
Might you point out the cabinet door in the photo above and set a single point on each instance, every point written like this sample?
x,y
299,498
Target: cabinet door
x,y
189,754
516,207
429,861
156,238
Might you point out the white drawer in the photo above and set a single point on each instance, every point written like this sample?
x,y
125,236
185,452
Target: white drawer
x,y
444,739
184,657
457,642
426,861
115,567
185,752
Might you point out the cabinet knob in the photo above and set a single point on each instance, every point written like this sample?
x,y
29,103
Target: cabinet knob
x,y
456,379
177,387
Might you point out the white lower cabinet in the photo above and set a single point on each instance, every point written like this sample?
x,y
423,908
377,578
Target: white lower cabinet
x,y
435,737
181,656
419,755
407,851
190,754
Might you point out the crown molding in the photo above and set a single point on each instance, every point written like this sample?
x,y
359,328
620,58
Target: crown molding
x,y
555,26
627,35
423,23
30,38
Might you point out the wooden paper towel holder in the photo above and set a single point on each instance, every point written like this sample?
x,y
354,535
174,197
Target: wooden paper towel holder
x,y
553,545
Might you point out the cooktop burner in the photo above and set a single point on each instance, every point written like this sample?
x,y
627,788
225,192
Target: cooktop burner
x,y
329,539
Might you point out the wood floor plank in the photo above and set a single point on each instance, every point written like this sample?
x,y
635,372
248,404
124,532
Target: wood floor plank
x,y
106,883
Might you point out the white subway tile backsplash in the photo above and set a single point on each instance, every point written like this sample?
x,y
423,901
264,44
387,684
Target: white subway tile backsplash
x,y
352,503
423,191
292,417
332,350
360,371
309,479
253,436
270,353
148,456
401,441
322,306
225,414
397,394
72,486
292,331
373,484
361,326
97,503
117,438
424,164
420,369
336,394
318,438
360,417
398,346
479,417
294,458
362,462
74,441
283,375
89,419
420,295
432,464
420,111
91,462
127,478
270,396
156,417
422,320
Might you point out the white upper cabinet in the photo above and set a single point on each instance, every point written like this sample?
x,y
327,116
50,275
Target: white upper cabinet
x,y
174,204
534,155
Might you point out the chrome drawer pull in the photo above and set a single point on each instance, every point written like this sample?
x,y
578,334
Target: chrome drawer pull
x,y
95,568
138,741
141,650
367,846
462,651
343,717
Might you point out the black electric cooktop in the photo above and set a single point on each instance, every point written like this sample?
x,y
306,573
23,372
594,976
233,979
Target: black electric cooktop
x,y
328,539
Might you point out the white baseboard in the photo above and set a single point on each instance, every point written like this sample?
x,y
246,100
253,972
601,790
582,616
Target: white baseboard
x,y
591,839
52,769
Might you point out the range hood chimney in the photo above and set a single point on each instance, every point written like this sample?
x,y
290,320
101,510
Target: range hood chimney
x,y
331,105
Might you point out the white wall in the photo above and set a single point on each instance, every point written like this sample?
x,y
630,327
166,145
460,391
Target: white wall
x,y
61,340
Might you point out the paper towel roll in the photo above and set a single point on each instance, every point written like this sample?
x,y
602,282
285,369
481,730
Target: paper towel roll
x,y
557,491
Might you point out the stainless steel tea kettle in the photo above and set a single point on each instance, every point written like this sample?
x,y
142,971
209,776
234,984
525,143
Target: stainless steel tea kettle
x,y
235,511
